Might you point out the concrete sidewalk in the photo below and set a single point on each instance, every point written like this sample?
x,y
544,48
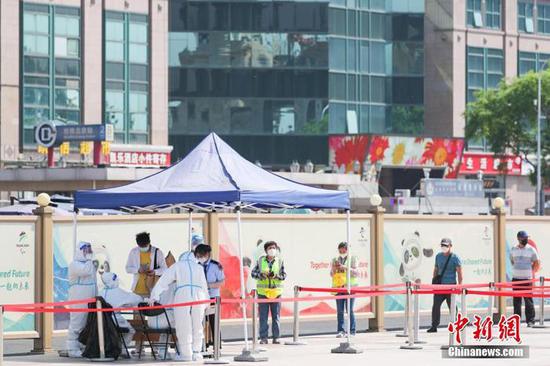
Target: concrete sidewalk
x,y
378,348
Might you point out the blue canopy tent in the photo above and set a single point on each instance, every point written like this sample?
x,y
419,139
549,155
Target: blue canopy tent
x,y
211,177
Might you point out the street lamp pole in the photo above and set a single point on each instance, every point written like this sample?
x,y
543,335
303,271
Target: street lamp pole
x,y
539,201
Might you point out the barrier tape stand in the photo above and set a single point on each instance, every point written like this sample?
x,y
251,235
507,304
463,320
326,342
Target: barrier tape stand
x,y
255,348
296,322
541,309
490,301
1,335
410,331
405,333
416,322
453,318
217,335
464,311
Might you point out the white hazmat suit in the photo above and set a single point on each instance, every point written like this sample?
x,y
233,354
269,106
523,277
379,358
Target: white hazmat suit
x,y
118,298
190,286
160,321
82,285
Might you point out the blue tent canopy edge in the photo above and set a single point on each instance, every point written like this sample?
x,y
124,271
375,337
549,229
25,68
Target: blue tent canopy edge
x,y
213,175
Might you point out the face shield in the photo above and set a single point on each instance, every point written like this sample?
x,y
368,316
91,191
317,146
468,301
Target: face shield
x,y
86,249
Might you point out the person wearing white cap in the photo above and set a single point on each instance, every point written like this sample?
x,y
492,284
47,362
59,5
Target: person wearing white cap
x,y
82,285
191,285
118,298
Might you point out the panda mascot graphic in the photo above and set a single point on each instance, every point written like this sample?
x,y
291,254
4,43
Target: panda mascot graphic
x,y
412,254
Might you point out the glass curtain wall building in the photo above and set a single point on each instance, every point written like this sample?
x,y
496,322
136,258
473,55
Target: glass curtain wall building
x,y
126,73
376,79
51,66
274,78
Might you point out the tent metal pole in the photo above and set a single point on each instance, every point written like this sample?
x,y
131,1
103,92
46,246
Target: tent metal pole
x,y
75,223
190,229
347,347
243,290
348,271
247,355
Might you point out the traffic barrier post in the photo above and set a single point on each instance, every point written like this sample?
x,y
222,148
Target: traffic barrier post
x,y
1,335
416,323
541,308
491,301
296,324
464,311
254,323
217,334
453,318
255,348
405,333
410,331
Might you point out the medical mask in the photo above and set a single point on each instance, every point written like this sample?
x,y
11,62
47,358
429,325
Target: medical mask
x,y
144,249
88,256
445,249
201,260
523,241
272,252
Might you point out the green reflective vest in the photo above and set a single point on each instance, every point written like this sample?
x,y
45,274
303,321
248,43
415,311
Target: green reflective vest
x,y
340,278
270,287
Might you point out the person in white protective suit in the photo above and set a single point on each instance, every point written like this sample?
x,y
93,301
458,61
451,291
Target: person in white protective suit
x,y
190,286
119,298
166,298
82,285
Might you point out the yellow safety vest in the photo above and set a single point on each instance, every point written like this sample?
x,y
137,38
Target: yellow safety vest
x,y
340,278
270,287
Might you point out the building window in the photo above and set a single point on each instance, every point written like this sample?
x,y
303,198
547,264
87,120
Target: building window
x,y
485,69
530,61
126,70
483,15
51,66
525,16
473,13
492,13
543,19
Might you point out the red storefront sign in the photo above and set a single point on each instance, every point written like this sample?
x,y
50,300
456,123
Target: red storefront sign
x,y
490,164
139,156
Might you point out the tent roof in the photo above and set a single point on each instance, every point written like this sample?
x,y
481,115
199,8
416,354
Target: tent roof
x,y
27,209
213,175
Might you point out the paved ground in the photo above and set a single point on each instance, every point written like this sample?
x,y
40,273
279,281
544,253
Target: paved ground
x,y
378,348
235,332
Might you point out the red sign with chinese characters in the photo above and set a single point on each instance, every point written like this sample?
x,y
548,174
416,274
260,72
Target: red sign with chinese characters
x,y
508,328
148,156
490,164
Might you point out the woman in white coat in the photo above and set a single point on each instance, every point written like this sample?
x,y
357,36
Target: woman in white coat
x,y
191,285
144,261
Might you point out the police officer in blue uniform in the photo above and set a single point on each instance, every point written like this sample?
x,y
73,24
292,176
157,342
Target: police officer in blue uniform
x,y
213,271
